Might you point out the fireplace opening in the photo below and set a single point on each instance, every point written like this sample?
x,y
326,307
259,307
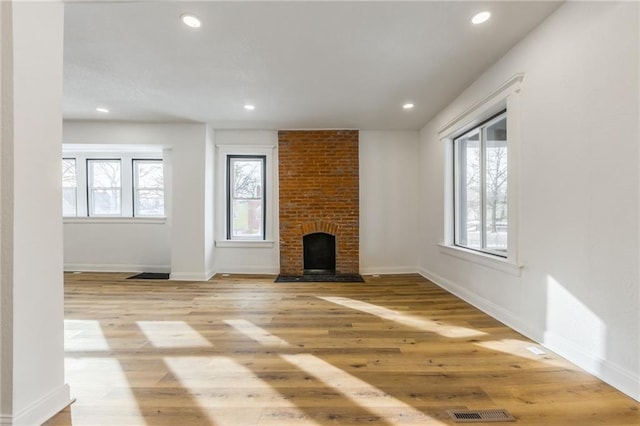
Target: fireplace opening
x,y
319,253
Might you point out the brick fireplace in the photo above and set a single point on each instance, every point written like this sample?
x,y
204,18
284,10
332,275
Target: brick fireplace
x,y
319,193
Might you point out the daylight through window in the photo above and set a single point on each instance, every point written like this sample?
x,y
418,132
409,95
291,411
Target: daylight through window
x,y
480,169
148,183
246,180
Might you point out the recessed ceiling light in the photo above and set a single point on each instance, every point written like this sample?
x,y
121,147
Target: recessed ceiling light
x,y
101,109
249,107
190,21
408,106
481,17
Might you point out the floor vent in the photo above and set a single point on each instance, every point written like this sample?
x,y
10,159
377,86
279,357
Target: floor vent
x,y
479,416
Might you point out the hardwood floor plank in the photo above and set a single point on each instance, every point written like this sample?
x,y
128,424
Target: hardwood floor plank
x,y
243,350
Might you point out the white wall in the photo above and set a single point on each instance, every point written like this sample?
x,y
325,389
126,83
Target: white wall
x,y
578,194
251,257
389,189
179,244
32,359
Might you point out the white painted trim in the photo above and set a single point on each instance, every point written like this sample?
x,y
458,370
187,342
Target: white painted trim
x,y
253,270
622,379
41,410
190,276
388,270
116,220
619,377
89,267
483,304
458,125
244,244
487,260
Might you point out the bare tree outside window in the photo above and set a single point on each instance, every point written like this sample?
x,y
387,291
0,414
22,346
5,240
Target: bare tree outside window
x,y
481,187
148,188
246,208
105,194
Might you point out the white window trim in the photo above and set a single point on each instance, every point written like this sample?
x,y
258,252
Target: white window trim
x,y
222,152
506,96
119,220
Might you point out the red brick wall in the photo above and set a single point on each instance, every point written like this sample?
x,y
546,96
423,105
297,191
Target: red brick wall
x,y
319,192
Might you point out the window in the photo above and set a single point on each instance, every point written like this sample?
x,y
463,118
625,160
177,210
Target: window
x,y
148,188
105,187
246,197
480,187
112,181
69,187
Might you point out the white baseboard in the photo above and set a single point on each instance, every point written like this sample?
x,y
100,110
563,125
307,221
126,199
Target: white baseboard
x,y
622,379
87,267
619,377
190,276
483,304
388,270
252,270
41,410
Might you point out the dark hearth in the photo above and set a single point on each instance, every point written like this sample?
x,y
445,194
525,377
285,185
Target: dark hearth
x,y
319,254
334,278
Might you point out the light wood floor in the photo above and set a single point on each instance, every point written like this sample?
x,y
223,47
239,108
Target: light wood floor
x,y
246,351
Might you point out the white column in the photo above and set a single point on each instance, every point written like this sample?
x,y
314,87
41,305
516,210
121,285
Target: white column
x,y
32,351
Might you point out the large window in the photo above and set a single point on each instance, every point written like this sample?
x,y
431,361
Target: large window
x,y
246,197
105,186
148,188
480,189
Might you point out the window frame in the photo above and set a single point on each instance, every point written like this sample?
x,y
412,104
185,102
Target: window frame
x,y
229,197
480,129
504,96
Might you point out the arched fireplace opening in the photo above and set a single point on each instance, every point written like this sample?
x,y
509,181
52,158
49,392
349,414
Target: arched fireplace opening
x,y
319,254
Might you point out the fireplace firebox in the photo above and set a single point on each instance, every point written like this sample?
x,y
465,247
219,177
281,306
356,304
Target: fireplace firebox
x,y
319,250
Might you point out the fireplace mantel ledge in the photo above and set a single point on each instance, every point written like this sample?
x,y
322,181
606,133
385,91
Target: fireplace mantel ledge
x,y
245,243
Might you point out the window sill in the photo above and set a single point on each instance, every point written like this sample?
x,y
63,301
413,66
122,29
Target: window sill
x,y
244,244
117,220
493,262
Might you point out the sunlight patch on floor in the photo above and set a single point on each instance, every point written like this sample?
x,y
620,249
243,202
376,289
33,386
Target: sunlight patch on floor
x,y
92,388
519,348
256,333
172,334
444,330
363,394
84,335
214,383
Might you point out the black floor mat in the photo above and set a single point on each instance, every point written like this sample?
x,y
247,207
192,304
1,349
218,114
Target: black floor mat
x,y
150,276
340,278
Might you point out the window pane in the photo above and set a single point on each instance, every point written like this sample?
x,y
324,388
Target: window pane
x,y
496,185
69,184
149,174
247,218
148,188
247,178
105,190
150,202
469,191
69,204
106,202
105,174
246,198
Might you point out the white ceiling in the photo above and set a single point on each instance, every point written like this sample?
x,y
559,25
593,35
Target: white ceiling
x,y
302,64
